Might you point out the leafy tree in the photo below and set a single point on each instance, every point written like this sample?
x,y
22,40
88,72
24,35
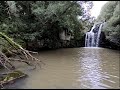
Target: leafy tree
x,y
34,21
110,12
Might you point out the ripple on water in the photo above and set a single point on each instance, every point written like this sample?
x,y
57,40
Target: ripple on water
x,y
82,68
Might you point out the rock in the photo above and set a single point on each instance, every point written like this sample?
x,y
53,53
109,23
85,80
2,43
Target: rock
x,y
102,40
11,77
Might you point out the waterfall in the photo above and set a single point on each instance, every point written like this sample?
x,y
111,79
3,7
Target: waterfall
x,y
92,37
98,35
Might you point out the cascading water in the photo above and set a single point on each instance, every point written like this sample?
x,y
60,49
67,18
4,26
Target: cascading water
x,y
93,36
98,35
89,39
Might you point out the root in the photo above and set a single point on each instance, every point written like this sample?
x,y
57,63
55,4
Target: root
x,y
28,58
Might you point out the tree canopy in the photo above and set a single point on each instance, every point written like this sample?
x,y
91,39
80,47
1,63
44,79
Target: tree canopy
x,y
111,13
42,21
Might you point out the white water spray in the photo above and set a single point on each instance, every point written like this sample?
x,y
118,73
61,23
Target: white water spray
x,y
93,36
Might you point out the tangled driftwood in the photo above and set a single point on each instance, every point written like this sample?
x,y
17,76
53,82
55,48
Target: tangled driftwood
x,y
4,61
26,56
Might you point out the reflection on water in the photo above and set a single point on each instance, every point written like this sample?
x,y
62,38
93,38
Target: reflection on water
x,y
93,74
90,68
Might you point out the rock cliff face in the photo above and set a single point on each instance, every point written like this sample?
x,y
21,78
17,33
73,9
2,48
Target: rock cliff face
x,y
102,40
106,43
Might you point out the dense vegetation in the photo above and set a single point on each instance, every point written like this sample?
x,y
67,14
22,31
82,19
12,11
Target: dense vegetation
x,y
37,24
111,13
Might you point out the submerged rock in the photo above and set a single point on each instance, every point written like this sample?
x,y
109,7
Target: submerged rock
x,y
10,77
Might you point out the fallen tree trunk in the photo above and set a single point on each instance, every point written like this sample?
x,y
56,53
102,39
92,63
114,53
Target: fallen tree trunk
x,y
30,60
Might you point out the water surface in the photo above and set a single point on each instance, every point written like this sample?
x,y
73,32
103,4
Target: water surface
x,y
79,68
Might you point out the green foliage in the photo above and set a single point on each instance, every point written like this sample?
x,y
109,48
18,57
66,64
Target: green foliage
x,y
107,10
34,21
111,13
